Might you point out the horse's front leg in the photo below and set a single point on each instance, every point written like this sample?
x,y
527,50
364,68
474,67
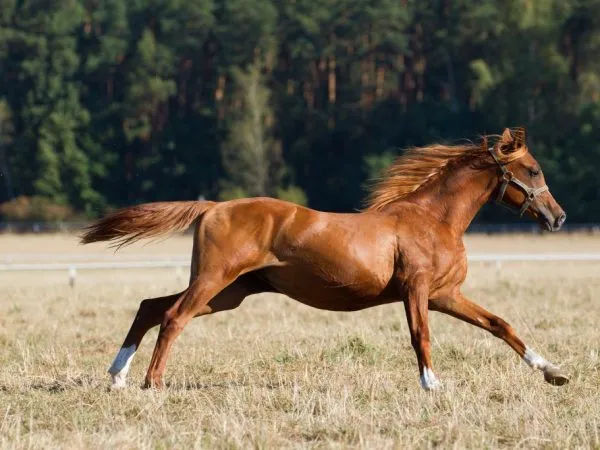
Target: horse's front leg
x,y
416,305
460,307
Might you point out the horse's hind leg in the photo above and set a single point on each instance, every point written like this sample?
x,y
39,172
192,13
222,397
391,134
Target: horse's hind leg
x,y
199,299
150,314
460,307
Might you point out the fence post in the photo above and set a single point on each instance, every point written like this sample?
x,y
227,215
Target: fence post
x,y
72,276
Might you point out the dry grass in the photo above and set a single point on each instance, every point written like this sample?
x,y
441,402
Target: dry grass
x,y
277,374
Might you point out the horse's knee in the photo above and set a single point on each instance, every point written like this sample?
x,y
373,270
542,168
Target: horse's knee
x,y
167,319
171,323
169,330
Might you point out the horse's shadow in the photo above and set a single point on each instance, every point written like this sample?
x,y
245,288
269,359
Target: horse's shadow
x,y
192,385
59,386
52,386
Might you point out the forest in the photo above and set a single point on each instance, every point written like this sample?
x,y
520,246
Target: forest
x,y
106,103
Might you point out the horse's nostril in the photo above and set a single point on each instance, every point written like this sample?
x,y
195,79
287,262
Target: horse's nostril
x,y
560,220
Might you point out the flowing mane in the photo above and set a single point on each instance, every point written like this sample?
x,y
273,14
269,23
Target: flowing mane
x,y
420,165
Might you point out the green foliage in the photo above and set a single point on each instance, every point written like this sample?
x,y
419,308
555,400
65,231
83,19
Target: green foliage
x,y
119,102
229,192
293,194
6,136
251,157
43,93
376,164
482,83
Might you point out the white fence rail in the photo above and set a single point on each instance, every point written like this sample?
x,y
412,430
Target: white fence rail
x,y
179,261
23,267
10,258
528,257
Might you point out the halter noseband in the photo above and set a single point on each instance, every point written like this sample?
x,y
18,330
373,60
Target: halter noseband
x,y
507,178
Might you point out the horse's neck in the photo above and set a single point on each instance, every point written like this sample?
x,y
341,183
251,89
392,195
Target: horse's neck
x,y
457,196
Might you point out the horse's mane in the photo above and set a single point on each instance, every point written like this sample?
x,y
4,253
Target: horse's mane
x,y
420,165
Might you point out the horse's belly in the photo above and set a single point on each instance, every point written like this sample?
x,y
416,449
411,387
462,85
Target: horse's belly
x,y
329,292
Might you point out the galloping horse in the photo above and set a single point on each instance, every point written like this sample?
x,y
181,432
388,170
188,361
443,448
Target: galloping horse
x,y
405,246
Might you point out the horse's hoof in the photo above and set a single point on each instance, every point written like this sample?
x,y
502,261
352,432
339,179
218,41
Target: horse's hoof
x,y
434,387
118,382
157,385
118,386
554,376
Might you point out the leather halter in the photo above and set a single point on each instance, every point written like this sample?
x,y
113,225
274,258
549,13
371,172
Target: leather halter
x,y
507,178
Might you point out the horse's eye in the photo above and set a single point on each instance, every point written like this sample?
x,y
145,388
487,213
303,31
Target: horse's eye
x,y
534,173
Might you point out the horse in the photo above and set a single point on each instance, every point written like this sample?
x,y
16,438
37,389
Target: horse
x,y
404,246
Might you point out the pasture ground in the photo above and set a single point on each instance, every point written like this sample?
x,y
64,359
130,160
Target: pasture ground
x,y
277,374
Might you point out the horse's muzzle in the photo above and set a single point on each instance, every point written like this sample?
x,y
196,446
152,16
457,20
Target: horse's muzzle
x,y
558,223
551,223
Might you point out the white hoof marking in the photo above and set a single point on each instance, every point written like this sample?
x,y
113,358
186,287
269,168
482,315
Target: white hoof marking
x,y
428,380
535,361
120,366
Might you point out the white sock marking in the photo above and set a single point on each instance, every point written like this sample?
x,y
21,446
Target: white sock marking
x,y
120,366
428,380
535,361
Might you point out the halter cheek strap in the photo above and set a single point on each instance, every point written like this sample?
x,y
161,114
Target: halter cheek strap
x,y
508,178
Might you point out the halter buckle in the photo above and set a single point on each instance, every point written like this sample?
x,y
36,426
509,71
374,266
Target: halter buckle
x,y
508,176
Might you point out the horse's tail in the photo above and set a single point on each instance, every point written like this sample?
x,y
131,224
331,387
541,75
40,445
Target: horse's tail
x,y
147,220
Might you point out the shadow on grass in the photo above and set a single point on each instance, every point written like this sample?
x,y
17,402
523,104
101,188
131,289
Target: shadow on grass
x,y
51,386
197,385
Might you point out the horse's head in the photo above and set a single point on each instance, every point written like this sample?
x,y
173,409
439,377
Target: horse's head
x,y
521,185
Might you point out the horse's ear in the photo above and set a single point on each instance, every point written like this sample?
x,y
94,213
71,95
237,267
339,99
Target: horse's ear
x,y
507,137
520,137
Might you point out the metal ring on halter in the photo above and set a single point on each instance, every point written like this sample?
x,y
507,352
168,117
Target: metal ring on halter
x,y
508,176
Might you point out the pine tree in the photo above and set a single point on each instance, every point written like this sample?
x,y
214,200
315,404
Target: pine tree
x,y
6,134
42,62
251,156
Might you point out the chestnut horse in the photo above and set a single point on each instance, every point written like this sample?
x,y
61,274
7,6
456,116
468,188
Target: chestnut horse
x,y
406,246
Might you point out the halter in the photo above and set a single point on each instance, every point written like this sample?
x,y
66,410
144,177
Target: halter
x,y
507,178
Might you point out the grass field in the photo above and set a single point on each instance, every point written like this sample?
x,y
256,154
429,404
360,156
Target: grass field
x,y
277,374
